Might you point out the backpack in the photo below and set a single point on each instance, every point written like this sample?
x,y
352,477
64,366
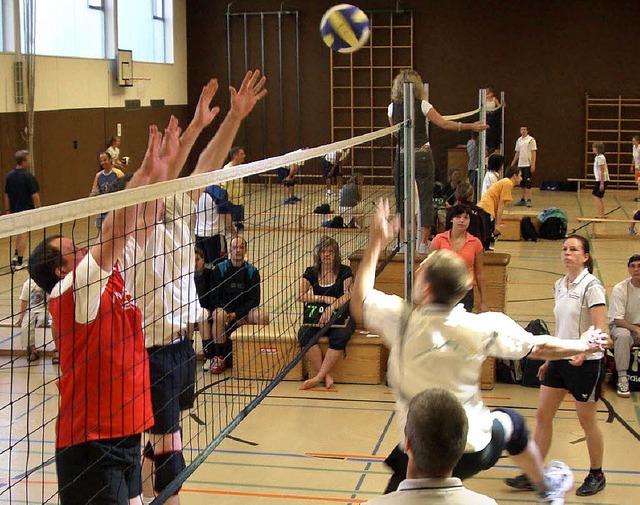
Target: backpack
x,y
527,230
336,222
530,366
553,228
322,209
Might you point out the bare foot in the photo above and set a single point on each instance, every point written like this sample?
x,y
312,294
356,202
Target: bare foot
x,y
311,383
328,381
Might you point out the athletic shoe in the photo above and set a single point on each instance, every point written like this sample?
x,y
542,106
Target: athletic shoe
x,y
296,199
289,201
492,244
632,231
622,388
207,365
32,354
329,192
592,485
217,365
558,479
528,203
520,482
636,199
521,203
423,248
17,264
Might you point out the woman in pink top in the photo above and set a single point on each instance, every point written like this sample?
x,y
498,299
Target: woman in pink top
x,y
468,247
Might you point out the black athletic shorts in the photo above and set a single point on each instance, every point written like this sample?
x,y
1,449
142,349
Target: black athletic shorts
x,y
103,472
583,382
526,177
283,173
596,189
173,375
326,169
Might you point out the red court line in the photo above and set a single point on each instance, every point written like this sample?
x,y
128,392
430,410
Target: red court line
x,y
343,456
273,495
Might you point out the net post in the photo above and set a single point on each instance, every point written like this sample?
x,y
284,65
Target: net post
x,y
502,123
409,177
482,140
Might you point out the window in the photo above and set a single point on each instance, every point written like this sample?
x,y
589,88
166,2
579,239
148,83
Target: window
x,y
67,28
146,28
7,30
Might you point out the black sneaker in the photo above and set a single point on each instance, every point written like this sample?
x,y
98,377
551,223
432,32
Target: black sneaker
x,y
520,482
592,485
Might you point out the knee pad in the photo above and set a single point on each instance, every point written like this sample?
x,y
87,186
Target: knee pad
x,y
148,451
168,466
519,440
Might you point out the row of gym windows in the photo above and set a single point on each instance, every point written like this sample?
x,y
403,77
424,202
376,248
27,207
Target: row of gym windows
x,y
87,28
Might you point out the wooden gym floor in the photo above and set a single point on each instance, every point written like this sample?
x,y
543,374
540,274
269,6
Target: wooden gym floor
x,y
303,447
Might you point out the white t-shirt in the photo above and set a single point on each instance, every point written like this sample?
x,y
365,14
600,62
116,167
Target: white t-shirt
x,y
490,178
114,152
34,295
336,156
424,106
159,274
572,304
208,222
600,161
525,147
434,492
444,348
625,302
636,157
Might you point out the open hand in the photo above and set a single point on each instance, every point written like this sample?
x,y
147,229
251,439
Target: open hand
x,y
204,112
382,229
250,93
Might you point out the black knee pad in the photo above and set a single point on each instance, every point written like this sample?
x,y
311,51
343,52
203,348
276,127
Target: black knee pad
x,y
147,452
168,466
520,436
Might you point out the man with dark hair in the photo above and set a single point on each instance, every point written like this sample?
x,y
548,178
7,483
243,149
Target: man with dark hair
x,y
434,440
436,343
105,403
624,313
235,300
21,192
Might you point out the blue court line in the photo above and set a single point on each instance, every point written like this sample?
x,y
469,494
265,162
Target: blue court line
x,y
375,452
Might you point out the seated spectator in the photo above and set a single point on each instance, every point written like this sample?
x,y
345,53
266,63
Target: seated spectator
x,y
495,200
113,149
235,190
235,300
350,197
104,180
203,279
477,217
287,176
469,248
435,437
451,186
624,312
324,288
494,168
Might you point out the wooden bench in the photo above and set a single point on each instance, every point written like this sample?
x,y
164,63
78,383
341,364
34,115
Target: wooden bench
x,y
510,229
261,352
599,227
628,182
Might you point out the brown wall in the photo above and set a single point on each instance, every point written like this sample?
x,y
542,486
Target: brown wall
x,y
67,143
544,54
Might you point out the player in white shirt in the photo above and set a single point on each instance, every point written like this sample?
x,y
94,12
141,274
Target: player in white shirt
x,y
635,165
435,344
526,156
33,315
601,174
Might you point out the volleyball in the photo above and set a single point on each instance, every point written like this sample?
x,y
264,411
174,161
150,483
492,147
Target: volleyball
x,y
345,28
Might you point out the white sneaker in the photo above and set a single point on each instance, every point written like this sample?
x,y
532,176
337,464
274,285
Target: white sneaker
x,y
423,248
206,365
622,388
558,479
632,231
329,192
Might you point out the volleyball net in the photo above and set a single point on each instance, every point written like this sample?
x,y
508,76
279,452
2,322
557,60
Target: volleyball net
x,y
186,281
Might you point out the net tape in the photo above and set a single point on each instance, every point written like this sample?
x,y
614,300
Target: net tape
x,y
42,217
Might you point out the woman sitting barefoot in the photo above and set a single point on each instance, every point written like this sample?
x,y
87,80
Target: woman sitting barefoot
x,y
327,287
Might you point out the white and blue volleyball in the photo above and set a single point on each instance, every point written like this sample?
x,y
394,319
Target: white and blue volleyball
x,y
345,28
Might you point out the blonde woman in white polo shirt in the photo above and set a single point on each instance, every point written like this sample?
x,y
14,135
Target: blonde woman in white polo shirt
x,y
580,302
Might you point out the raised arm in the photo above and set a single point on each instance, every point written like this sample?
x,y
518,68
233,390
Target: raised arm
x,y
435,117
381,231
242,103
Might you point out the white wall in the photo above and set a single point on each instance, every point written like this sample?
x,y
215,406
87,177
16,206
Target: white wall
x,y
77,83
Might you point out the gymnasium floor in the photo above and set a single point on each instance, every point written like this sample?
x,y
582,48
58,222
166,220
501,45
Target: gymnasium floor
x,y
319,446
